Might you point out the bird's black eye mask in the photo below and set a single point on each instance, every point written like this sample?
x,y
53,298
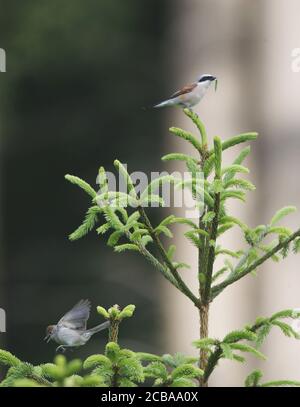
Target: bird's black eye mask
x,y
207,78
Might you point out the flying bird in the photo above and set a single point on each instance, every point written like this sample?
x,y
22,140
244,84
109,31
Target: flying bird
x,y
190,95
70,331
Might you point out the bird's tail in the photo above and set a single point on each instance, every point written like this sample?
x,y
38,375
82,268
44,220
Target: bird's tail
x,y
163,104
99,328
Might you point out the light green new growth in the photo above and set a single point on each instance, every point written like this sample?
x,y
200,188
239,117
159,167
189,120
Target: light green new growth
x,y
254,378
117,367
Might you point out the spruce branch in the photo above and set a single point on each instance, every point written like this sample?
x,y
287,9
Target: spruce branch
x,y
122,170
137,231
178,156
232,338
241,138
187,136
282,213
8,359
255,333
239,159
138,243
254,378
281,383
81,184
162,268
199,124
217,289
88,224
180,283
40,380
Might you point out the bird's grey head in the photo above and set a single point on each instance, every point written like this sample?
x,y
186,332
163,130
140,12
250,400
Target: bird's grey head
x,y
206,77
49,332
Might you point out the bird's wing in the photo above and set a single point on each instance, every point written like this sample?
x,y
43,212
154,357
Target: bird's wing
x,y
184,90
77,317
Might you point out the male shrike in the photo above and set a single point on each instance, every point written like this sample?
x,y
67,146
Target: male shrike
x,y
190,95
70,331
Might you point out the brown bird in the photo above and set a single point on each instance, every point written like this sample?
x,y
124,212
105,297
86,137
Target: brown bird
x,y
190,95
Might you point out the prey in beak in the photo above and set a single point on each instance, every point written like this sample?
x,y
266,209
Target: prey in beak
x,y
47,338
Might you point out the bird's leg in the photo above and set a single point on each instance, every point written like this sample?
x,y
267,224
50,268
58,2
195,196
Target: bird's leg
x,y
64,348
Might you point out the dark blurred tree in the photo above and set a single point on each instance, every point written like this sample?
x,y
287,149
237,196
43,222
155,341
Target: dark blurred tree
x,y
77,76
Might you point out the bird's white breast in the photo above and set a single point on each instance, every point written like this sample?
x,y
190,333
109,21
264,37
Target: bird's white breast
x,y
190,99
200,91
70,337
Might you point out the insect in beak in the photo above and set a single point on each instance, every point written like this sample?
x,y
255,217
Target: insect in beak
x,y
47,338
216,84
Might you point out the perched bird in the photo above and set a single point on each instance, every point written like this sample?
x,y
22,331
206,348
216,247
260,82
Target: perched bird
x,y
70,331
190,95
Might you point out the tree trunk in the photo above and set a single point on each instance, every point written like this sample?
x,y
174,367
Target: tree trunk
x,y
204,310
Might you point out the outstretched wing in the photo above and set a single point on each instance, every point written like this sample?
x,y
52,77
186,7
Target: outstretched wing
x,y
184,90
77,317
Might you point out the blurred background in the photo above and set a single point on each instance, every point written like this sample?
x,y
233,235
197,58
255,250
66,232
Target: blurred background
x,y
78,75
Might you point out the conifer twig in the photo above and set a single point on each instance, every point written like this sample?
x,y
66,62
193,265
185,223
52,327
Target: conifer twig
x,y
217,354
40,380
243,259
196,120
217,289
180,283
157,264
